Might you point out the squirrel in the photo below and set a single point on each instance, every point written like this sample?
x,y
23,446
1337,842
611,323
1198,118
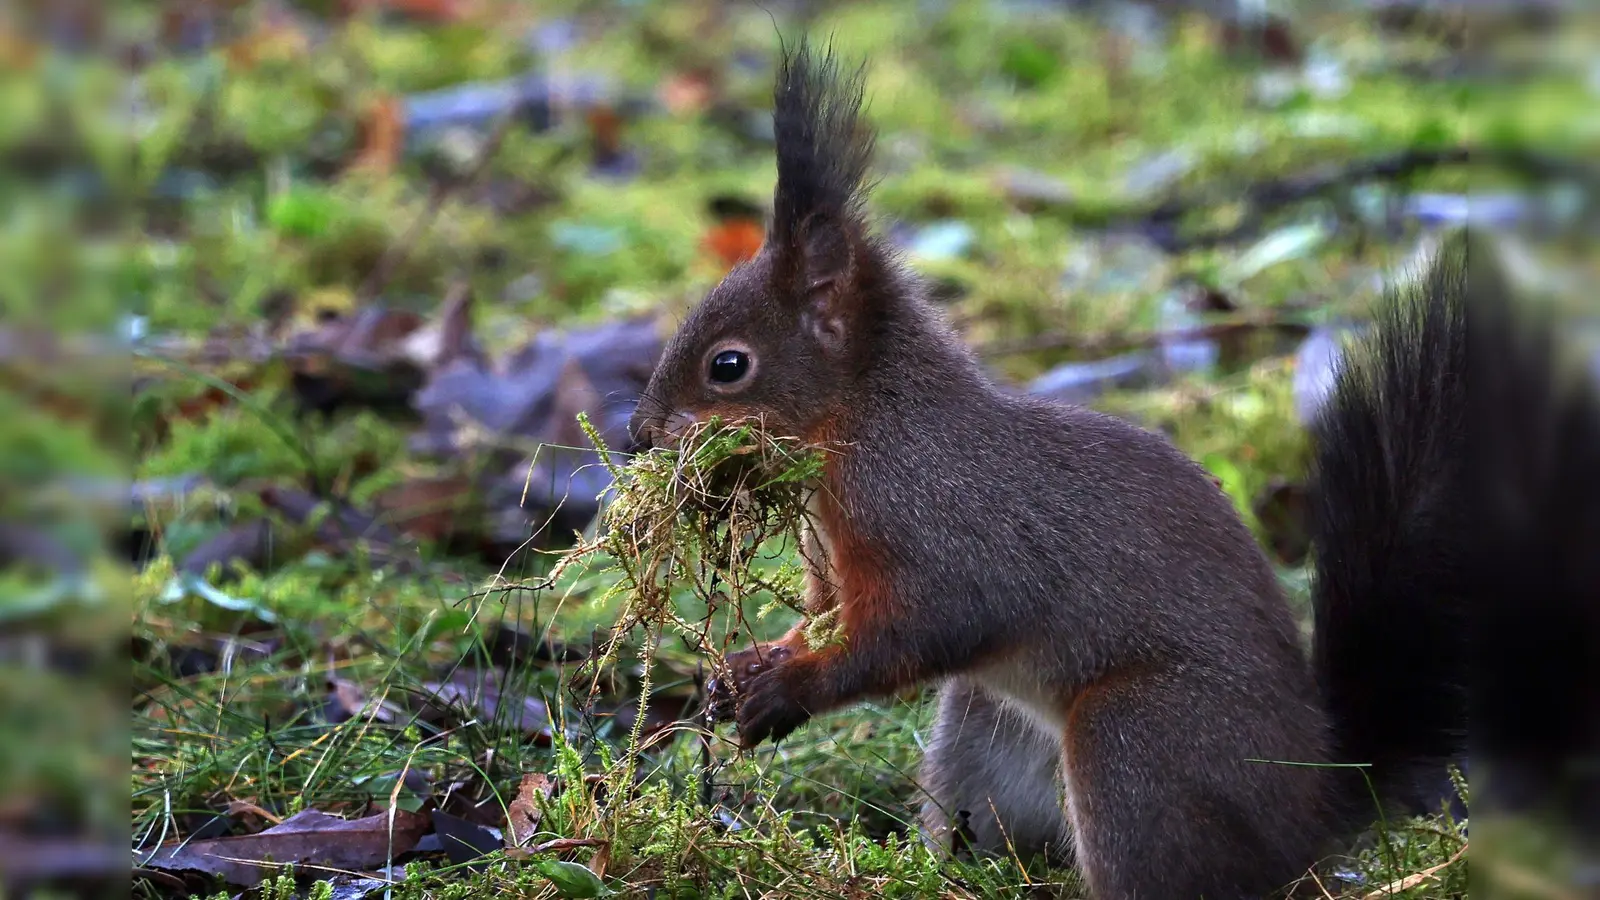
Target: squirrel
x,y
1123,685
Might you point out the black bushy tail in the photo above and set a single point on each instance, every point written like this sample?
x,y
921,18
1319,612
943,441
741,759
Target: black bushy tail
x,y
1390,526
1536,659
824,147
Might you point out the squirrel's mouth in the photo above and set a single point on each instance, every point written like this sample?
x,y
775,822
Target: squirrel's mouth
x,y
661,431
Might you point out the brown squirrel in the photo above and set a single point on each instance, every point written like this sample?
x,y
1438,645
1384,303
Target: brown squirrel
x,y
1123,683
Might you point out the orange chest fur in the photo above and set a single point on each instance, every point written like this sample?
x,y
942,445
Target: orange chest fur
x,y
843,566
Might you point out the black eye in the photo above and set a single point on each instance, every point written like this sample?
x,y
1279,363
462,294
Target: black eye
x,y
729,366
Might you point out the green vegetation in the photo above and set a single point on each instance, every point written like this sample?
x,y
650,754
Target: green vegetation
x,y
1024,154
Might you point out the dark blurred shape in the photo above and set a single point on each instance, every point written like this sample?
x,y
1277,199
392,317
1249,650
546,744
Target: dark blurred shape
x,y
1283,511
536,465
1536,418
464,841
1082,382
62,862
358,360
510,646
531,99
249,544
487,694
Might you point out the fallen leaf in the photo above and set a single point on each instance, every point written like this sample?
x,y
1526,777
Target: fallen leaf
x,y
251,543
1032,191
942,240
186,584
434,11
735,241
277,38
360,359
347,700
1286,244
435,509
510,646
464,841
475,694
17,53
601,860
1082,382
605,130
525,811
383,136
1270,39
244,809
311,838
335,525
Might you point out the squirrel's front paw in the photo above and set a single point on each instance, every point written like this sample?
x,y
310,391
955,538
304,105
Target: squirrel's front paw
x,y
768,708
724,691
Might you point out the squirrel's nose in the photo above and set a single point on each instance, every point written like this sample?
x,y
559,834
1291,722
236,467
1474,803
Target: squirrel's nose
x,y
641,433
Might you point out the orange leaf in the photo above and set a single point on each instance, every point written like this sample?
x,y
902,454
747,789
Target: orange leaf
x,y
524,813
735,241
383,134
605,129
686,92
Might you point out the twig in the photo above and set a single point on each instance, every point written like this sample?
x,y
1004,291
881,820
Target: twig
x,y
1124,341
395,254
558,845
1161,223
706,760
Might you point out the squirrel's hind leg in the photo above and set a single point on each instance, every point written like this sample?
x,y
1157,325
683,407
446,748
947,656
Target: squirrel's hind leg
x,y
1165,802
991,780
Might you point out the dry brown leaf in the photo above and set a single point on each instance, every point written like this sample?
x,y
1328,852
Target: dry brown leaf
x,y
311,838
559,845
524,812
735,241
243,808
383,135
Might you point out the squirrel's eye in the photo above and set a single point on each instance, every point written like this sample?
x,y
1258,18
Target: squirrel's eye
x,y
729,366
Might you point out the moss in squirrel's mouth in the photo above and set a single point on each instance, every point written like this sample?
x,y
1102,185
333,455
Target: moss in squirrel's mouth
x,y
701,521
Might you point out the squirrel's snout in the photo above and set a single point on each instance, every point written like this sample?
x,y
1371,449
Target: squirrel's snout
x,y
650,432
641,432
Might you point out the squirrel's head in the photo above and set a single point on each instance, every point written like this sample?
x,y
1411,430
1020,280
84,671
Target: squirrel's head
x,y
784,335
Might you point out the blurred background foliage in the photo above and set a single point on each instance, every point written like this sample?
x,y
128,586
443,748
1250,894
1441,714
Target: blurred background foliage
x,y
364,261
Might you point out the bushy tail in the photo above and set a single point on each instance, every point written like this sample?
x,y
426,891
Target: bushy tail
x,y
1390,527
1536,660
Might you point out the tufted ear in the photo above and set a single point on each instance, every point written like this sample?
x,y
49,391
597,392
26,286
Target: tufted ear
x,y
818,231
826,268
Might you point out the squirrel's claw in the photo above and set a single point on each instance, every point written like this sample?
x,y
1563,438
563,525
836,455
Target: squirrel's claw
x,y
723,693
768,710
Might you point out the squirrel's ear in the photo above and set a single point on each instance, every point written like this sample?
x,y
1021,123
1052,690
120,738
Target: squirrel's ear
x,y
823,150
824,265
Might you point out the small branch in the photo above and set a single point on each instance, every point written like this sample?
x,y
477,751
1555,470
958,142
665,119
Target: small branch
x,y
1161,223
1119,342
559,845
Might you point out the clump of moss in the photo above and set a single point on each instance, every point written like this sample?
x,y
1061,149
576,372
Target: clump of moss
x,y
689,534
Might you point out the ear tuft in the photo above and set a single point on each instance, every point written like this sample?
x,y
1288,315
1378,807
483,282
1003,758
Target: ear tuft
x,y
824,151
824,148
